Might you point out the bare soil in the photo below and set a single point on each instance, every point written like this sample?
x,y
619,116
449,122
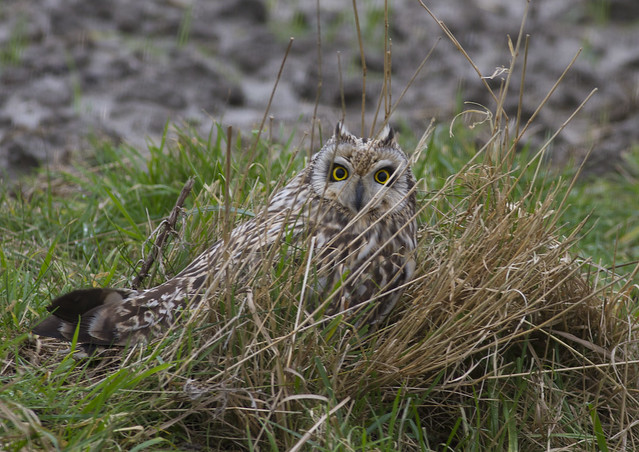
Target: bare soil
x,y
72,70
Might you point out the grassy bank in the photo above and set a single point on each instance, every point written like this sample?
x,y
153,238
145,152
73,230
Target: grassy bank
x,y
508,338
517,333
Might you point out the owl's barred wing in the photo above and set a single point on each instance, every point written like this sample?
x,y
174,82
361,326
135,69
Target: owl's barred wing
x,y
121,316
354,201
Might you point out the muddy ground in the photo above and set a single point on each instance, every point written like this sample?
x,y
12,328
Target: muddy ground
x,y
73,70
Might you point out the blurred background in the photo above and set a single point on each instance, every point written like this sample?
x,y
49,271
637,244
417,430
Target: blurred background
x,y
73,71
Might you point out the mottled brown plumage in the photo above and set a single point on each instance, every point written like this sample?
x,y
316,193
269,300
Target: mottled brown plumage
x,y
353,205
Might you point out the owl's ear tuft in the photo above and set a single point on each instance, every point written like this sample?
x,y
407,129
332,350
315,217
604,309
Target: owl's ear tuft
x,y
342,133
387,136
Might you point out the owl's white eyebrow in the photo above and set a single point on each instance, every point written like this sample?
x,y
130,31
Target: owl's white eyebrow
x,y
341,160
385,163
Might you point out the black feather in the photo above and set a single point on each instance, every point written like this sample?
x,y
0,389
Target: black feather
x,y
74,304
79,307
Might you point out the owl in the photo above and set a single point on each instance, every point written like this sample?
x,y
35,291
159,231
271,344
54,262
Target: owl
x,y
352,209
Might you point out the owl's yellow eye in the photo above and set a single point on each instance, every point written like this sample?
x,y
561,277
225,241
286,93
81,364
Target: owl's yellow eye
x,y
339,173
382,176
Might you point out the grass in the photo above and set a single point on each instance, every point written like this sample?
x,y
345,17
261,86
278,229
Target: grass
x,y
517,333
522,374
610,202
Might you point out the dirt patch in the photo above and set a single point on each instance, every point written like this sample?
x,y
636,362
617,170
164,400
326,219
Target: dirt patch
x,y
72,70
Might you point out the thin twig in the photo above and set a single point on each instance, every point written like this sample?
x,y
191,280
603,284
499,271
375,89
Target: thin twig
x,y
520,104
166,226
227,190
387,65
270,99
412,79
341,87
319,75
459,47
545,99
363,59
226,233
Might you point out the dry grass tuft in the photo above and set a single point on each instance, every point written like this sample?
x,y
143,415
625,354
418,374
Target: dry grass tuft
x,y
499,298
501,311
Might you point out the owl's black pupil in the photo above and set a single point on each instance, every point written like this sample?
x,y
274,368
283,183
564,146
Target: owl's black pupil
x,y
340,173
382,176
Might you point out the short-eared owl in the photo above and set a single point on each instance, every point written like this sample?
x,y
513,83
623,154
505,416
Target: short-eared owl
x,y
352,207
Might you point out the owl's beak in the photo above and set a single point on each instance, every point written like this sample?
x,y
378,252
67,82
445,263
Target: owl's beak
x,y
359,196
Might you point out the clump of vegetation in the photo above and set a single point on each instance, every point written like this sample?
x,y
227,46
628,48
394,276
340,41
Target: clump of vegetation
x,y
508,337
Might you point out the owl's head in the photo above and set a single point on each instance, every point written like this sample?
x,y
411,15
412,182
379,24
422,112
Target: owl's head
x,y
361,175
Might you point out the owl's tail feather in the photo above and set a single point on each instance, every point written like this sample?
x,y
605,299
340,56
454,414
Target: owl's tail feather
x,y
90,311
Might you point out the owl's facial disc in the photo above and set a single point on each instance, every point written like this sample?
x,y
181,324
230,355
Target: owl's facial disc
x,y
360,175
357,191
